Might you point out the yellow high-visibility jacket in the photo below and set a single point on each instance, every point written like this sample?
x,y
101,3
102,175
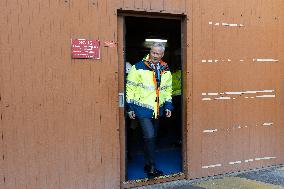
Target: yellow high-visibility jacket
x,y
176,83
144,95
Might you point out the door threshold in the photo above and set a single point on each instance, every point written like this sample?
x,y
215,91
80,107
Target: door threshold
x,y
156,180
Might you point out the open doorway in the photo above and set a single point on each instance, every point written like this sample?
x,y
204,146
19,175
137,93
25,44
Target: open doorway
x,y
169,155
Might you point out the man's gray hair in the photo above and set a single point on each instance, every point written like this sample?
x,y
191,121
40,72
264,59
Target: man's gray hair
x,y
158,44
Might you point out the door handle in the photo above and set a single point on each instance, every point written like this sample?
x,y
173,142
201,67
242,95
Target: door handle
x,y
121,100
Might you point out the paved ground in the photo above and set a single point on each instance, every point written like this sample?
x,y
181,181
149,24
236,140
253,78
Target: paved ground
x,y
268,178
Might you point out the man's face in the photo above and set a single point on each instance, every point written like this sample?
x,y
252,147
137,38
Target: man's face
x,y
156,54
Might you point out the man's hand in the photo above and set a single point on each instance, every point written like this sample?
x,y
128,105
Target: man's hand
x,y
168,113
131,114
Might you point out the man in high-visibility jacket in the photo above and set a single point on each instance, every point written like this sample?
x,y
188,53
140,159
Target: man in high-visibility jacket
x,y
148,97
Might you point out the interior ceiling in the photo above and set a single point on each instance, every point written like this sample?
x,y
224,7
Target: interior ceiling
x,y
140,28
151,28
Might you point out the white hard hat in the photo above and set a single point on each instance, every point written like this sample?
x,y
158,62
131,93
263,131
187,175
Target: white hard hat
x,y
127,67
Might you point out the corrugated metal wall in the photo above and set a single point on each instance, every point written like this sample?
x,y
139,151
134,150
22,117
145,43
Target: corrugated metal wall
x,y
237,86
59,116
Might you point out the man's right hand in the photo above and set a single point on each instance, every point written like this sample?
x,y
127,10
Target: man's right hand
x,y
131,114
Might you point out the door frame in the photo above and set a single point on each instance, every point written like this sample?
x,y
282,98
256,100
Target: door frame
x,y
121,81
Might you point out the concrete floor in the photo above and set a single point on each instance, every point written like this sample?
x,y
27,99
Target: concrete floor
x,y
266,178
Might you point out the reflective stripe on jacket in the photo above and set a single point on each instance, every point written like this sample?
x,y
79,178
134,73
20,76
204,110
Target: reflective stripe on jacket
x,y
142,94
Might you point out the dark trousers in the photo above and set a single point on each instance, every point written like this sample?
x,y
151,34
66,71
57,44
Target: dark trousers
x,y
176,117
149,129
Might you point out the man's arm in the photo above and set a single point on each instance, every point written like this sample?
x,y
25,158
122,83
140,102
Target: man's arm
x,y
131,89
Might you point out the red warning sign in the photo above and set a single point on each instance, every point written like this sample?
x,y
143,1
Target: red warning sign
x,y
83,48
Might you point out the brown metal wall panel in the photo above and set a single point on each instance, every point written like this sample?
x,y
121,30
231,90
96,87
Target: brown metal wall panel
x,y
2,131
280,110
157,5
146,4
225,60
194,130
2,147
138,4
280,91
175,6
167,6
128,4
59,114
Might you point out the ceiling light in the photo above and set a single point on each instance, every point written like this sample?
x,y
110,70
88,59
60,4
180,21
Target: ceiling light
x,y
156,40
